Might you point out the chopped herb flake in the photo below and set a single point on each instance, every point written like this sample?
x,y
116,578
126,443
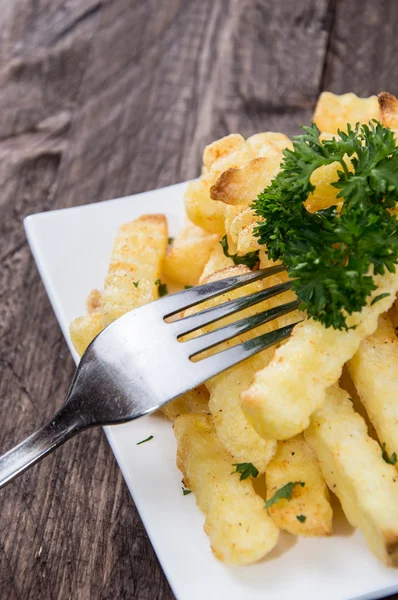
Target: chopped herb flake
x,y
148,439
185,491
245,469
162,288
135,283
379,297
301,518
391,460
284,492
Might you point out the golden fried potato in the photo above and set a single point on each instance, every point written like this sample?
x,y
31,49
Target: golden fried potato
x,y
239,224
231,151
83,330
269,143
374,371
240,530
355,471
333,112
393,314
201,209
235,432
388,107
221,148
283,396
242,185
94,302
137,255
194,401
217,261
233,429
308,513
188,255
325,194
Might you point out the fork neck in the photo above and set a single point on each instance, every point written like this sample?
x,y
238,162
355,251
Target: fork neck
x,y
64,425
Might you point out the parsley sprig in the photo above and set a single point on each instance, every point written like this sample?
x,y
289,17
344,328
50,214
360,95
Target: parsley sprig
x,y
329,254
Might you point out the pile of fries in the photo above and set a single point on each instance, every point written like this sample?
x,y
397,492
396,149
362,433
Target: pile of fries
x,y
262,445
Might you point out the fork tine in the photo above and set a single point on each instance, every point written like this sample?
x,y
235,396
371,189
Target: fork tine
x,y
215,313
212,365
209,340
175,303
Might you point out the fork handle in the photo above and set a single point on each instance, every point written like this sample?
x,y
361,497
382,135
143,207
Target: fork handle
x,y
61,428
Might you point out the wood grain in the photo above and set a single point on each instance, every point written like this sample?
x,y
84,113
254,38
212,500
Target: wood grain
x,y
100,99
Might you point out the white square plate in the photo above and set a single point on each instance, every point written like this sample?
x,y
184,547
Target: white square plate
x,y
72,249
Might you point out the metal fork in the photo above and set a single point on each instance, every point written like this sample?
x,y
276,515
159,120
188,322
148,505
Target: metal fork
x,y
139,362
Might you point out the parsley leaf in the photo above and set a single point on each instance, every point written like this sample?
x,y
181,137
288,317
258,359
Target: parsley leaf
x,y
250,259
148,439
188,287
246,470
170,240
135,283
379,297
301,518
185,491
162,288
284,492
330,255
391,460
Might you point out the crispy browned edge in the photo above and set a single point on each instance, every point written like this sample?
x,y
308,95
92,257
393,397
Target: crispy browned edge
x,y
388,105
218,191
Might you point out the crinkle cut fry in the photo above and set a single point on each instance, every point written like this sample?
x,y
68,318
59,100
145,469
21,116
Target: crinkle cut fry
x,y
240,530
355,471
374,372
138,252
309,512
283,396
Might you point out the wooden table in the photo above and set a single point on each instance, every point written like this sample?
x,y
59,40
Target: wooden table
x,y
104,98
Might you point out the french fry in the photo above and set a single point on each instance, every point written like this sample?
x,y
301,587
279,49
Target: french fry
x,y
308,513
325,194
137,255
374,371
221,148
269,143
83,330
242,185
333,112
388,110
217,261
393,314
188,255
239,225
240,530
194,401
355,471
284,394
94,302
228,152
234,431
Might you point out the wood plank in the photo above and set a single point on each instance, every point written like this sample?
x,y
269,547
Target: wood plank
x,y
155,94
363,48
